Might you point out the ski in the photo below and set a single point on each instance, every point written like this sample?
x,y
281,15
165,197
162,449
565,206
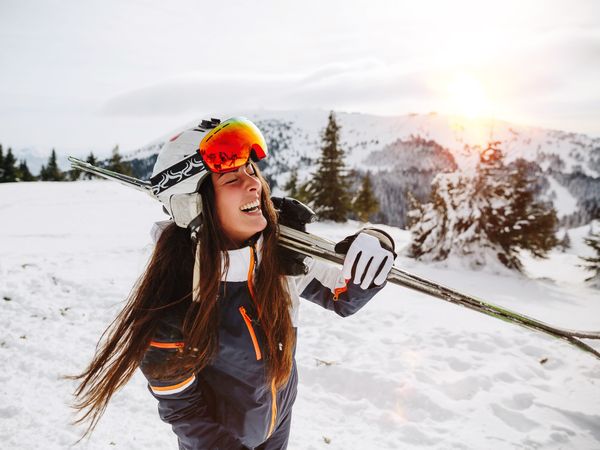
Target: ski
x,y
126,180
321,248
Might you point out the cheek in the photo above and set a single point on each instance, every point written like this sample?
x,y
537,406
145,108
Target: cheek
x,y
223,204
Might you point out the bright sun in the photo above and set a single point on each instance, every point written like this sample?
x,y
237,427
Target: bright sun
x,y
467,96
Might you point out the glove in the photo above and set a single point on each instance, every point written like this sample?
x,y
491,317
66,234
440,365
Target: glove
x,y
294,214
369,258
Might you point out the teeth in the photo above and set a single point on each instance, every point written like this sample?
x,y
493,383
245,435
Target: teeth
x,y
250,205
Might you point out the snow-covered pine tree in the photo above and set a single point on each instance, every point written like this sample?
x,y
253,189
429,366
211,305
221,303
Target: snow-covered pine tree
x,y
450,223
593,262
530,224
328,187
488,217
365,204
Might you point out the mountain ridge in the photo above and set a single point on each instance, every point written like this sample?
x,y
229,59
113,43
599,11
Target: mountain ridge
x,y
407,151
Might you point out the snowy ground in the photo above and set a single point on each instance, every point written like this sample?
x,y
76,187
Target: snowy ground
x,y
406,372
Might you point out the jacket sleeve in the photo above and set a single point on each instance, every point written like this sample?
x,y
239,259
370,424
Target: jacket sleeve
x,y
182,404
324,285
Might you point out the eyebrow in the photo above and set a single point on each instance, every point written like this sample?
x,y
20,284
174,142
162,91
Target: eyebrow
x,y
225,173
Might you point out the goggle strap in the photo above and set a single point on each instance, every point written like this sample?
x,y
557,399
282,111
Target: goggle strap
x,y
177,173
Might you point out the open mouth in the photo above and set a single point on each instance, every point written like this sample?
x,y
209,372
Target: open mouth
x,y
251,207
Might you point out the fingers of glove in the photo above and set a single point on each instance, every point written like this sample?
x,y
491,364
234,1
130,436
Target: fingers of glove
x,y
385,270
375,268
349,262
364,262
360,252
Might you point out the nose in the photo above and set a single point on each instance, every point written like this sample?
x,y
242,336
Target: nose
x,y
251,182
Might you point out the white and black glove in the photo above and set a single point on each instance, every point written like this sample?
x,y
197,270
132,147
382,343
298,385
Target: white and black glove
x,y
369,257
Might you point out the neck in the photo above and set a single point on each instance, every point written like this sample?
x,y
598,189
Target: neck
x,y
235,245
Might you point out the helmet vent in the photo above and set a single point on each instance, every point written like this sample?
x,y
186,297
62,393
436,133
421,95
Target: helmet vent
x,y
208,124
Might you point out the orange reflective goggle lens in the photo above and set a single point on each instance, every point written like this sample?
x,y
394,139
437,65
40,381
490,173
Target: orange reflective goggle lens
x,y
231,144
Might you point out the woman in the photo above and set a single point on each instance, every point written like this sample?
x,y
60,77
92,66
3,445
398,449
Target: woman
x,y
212,321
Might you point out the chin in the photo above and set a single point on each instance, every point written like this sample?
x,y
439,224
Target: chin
x,y
261,227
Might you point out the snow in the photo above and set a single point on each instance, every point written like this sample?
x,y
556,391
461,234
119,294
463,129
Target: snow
x,y
564,202
408,371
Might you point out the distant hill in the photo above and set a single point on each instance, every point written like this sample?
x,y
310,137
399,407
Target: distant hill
x,y
407,151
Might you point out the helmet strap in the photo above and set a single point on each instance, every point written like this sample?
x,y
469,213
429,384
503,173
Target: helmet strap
x,y
195,226
196,276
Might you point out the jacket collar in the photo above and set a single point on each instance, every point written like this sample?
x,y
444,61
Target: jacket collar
x,y
239,260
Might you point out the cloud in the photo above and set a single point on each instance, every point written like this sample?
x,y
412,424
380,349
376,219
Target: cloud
x,y
333,85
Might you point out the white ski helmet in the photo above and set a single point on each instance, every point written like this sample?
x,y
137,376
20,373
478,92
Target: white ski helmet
x,y
180,168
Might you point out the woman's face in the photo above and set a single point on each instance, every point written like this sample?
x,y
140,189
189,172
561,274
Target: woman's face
x,y
234,191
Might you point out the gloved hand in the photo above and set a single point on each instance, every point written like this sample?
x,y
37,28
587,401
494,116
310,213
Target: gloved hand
x,y
369,258
293,214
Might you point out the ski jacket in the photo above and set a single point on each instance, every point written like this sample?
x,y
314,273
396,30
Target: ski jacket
x,y
230,404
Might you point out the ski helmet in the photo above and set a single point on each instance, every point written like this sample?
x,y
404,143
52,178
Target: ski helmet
x,y
190,157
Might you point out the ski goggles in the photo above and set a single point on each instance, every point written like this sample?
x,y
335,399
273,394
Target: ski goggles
x,y
230,145
225,148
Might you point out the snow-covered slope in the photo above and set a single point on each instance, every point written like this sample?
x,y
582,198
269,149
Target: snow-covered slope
x,y
406,372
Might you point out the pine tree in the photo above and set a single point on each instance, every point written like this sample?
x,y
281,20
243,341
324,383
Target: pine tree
x,y
9,170
116,163
490,216
365,204
593,262
328,188
291,187
1,164
91,159
295,190
51,171
525,223
303,194
449,223
565,242
23,172
74,174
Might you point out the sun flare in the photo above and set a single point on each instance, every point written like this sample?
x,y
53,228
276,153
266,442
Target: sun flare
x,y
467,96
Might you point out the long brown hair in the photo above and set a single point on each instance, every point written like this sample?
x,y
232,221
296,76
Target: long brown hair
x,y
165,285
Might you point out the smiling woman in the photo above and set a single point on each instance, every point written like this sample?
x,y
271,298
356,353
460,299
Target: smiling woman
x,y
212,321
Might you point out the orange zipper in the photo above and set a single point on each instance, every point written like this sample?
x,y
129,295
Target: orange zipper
x,y
251,331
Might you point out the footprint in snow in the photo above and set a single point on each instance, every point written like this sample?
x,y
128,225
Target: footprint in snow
x,y
514,419
519,402
466,388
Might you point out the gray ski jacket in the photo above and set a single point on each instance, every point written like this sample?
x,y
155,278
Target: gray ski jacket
x,y
230,404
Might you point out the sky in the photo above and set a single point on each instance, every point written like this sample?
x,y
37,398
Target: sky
x,y
86,76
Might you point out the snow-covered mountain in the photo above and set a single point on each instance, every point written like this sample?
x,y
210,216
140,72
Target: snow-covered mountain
x,y
407,151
